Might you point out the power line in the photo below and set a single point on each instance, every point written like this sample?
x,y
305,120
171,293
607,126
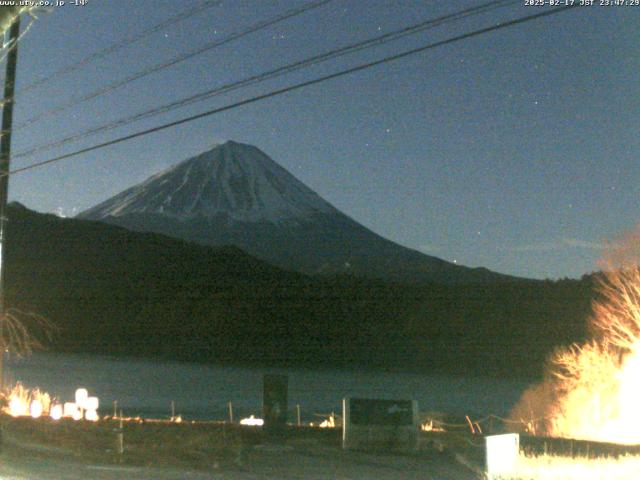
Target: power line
x,y
126,42
180,58
355,47
297,86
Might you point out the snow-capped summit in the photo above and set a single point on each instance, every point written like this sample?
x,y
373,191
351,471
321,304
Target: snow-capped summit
x,y
232,179
236,195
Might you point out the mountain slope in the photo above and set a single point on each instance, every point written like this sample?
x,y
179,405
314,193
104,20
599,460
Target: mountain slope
x,y
236,195
234,180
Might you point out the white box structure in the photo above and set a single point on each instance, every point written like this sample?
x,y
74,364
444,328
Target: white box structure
x,y
70,409
91,403
389,425
501,455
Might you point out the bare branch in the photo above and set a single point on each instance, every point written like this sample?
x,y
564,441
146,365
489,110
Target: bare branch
x,y
21,333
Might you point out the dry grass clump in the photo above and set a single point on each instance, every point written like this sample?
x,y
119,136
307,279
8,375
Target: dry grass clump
x,y
17,401
591,390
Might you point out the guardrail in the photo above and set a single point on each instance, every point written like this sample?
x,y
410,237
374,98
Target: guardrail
x,y
534,445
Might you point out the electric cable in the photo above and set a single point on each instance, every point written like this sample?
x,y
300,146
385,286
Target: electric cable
x,y
175,60
126,42
296,86
336,53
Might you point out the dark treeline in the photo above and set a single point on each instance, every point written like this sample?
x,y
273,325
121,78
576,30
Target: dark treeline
x,y
111,291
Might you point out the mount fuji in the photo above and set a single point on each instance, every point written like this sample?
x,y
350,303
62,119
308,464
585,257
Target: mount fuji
x,y
235,194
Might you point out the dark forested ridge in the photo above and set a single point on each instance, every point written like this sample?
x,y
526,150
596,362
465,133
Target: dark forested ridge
x,y
112,291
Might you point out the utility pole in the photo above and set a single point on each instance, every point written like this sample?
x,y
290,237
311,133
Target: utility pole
x,y
5,156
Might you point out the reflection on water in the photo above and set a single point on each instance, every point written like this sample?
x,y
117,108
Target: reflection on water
x,y
144,387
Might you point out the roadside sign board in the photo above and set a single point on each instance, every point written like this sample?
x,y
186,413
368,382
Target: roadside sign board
x,y
380,424
365,411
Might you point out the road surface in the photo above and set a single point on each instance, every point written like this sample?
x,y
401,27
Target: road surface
x,y
259,462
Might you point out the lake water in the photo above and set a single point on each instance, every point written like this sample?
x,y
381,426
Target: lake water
x,y
147,388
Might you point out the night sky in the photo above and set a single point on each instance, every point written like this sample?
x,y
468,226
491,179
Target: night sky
x,y
516,150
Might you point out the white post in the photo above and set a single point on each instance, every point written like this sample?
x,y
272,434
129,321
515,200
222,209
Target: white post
x,y
121,437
